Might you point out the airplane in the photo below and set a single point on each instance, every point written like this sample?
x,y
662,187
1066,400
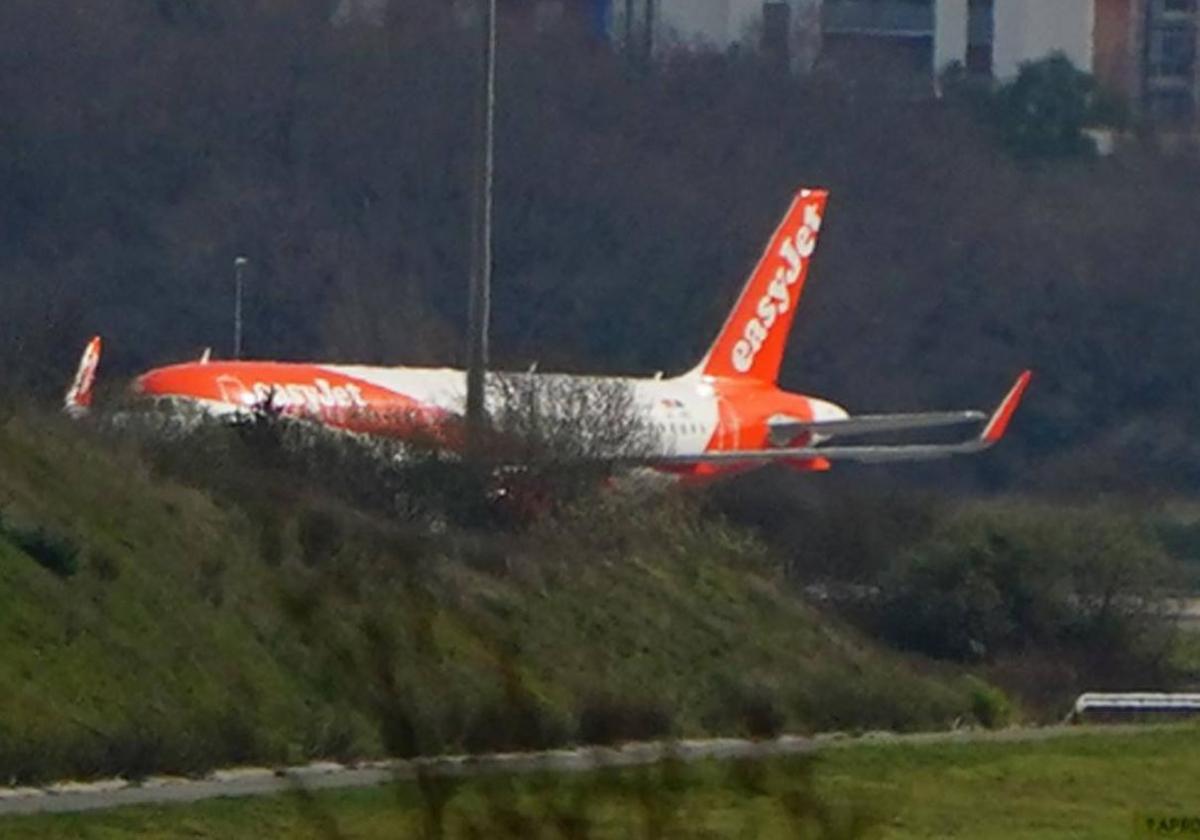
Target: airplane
x,y
726,415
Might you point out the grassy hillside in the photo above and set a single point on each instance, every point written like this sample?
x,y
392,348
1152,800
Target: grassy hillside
x,y
146,626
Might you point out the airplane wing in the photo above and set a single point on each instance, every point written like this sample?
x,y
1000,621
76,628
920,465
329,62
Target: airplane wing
x,y
865,424
992,432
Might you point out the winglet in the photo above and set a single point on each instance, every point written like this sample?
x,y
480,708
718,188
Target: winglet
x,y
78,398
998,425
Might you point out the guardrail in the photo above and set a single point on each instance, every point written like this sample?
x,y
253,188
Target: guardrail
x,y
1137,701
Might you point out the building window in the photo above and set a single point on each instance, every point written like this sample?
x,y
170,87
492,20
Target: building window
x,y
900,18
1174,7
1171,51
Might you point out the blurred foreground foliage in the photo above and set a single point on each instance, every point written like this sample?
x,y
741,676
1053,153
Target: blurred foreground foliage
x,y
751,797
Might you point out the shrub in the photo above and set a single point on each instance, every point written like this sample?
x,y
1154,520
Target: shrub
x,y
994,581
337,733
877,698
990,706
761,715
828,531
747,706
507,725
606,720
1042,113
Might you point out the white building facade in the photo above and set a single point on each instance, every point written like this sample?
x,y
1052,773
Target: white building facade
x,y
1026,30
1001,34
1147,51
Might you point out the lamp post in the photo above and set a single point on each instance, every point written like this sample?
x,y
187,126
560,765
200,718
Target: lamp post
x,y
239,266
479,309
648,35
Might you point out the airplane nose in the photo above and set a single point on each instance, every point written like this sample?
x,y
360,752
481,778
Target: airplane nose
x,y
148,384
163,382
208,387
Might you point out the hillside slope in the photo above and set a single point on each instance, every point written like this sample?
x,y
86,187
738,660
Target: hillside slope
x,y
147,626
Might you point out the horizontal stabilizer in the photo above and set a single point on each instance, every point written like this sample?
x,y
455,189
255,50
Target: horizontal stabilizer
x,y
994,430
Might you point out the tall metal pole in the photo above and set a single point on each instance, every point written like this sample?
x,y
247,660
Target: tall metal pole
x,y
649,33
239,266
481,253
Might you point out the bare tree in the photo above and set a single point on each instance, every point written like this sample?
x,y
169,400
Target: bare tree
x,y
557,439
562,419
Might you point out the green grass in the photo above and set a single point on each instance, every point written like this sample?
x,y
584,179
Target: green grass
x,y
198,630
1092,785
145,650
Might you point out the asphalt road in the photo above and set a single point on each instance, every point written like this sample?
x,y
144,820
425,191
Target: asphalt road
x,y
258,781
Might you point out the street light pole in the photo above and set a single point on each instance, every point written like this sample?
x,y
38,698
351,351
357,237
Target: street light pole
x,y
481,252
239,266
648,55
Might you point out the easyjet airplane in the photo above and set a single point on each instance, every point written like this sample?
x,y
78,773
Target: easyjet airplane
x,y
725,415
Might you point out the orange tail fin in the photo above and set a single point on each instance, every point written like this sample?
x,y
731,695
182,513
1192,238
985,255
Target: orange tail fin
x,y
752,342
79,396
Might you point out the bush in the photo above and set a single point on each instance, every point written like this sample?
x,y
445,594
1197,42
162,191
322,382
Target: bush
x,y
750,707
877,698
995,581
553,442
605,720
832,530
990,706
507,726
1043,112
761,715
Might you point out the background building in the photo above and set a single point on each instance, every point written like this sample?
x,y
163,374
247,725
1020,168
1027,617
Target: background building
x,y
1025,30
1144,50
1168,83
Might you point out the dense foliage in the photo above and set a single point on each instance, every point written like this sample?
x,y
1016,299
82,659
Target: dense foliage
x,y
145,145
1049,599
1045,112
1000,581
